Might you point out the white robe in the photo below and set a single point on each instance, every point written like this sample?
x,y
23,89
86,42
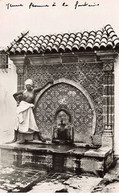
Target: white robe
x,y
25,118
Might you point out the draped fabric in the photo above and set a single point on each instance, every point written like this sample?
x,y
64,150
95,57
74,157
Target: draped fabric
x,y
25,118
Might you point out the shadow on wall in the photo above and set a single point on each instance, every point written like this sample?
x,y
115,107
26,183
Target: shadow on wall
x,y
8,86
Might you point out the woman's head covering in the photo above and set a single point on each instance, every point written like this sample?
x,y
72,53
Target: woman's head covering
x,y
29,81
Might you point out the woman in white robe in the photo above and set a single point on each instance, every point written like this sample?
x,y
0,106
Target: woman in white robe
x,y
26,124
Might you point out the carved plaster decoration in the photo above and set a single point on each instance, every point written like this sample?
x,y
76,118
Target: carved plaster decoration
x,y
108,66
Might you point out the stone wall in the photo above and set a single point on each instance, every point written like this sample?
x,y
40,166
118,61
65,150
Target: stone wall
x,y
8,86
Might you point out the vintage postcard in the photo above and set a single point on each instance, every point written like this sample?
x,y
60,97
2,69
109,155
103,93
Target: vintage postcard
x,y
59,96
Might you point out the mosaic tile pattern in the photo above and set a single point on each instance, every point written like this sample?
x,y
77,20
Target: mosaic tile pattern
x,y
90,76
65,96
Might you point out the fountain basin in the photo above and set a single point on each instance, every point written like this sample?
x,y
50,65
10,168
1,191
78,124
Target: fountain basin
x,y
57,158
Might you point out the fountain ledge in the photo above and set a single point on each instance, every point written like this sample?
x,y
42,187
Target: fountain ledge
x,y
58,158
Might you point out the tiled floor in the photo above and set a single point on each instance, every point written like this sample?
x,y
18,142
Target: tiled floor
x,y
14,179
34,181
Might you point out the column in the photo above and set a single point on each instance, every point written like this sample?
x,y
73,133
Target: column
x,y
20,66
20,77
108,104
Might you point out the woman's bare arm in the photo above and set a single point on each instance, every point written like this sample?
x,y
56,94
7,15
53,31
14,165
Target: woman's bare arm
x,y
15,95
38,89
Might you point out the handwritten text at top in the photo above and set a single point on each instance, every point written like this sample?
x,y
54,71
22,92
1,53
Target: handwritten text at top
x,y
54,4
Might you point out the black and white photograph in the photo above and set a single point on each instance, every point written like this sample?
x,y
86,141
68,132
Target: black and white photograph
x,y
59,96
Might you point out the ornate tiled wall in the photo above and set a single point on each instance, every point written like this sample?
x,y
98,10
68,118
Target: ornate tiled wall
x,y
67,97
89,76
